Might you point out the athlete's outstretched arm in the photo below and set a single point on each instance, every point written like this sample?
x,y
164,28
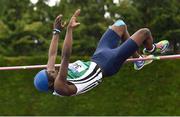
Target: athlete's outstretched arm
x,y
58,26
61,86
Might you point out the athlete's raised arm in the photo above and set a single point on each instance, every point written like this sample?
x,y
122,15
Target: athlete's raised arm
x,y
61,86
57,28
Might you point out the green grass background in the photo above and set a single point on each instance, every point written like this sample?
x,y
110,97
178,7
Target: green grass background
x,y
155,90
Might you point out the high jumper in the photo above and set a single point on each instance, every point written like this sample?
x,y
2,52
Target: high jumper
x,y
79,77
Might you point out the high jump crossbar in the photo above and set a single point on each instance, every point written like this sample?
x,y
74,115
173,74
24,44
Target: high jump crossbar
x,y
167,57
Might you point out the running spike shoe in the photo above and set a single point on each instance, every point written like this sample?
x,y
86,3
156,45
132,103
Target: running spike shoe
x,y
160,47
138,65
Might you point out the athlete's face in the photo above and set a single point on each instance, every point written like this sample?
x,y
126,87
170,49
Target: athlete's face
x,y
51,78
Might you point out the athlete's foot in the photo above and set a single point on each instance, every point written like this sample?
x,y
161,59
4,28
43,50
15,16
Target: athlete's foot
x,y
138,65
160,47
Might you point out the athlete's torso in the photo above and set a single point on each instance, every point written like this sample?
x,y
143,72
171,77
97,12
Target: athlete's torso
x,y
84,75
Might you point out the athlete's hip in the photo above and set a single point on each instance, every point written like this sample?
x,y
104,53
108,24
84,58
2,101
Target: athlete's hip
x,y
106,59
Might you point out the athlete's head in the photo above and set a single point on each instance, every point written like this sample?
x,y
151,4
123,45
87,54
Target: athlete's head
x,y
43,82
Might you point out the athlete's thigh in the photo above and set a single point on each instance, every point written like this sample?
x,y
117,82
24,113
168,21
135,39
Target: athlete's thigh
x,y
140,35
125,50
105,60
110,39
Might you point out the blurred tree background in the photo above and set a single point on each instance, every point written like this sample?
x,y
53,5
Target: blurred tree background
x,y
26,27
25,35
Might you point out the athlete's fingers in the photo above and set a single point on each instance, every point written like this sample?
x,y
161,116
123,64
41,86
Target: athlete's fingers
x,y
63,24
59,17
77,24
77,13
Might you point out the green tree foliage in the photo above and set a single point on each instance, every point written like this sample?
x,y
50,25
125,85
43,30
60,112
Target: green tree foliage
x,y
92,25
125,10
162,16
26,27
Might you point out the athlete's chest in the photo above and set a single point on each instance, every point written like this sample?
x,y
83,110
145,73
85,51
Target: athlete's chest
x,y
77,69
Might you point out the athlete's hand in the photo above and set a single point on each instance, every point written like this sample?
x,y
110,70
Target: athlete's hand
x,y
73,22
58,24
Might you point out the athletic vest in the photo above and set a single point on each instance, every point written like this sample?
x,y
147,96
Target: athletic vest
x,y
84,75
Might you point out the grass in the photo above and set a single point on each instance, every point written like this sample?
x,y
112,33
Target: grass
x,y
151,91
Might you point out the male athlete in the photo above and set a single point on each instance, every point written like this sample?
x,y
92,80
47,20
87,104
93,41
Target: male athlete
x,y
79,77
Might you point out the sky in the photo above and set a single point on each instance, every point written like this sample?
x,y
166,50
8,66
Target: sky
x,y
50,2
53,2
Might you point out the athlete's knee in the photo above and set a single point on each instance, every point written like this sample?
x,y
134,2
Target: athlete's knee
x,y
119,23
144,32
141,35
119,27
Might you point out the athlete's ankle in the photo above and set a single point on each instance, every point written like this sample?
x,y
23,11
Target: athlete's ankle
x,y
151,50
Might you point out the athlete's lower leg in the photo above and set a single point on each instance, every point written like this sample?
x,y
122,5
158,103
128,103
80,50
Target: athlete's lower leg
x,y
143,36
